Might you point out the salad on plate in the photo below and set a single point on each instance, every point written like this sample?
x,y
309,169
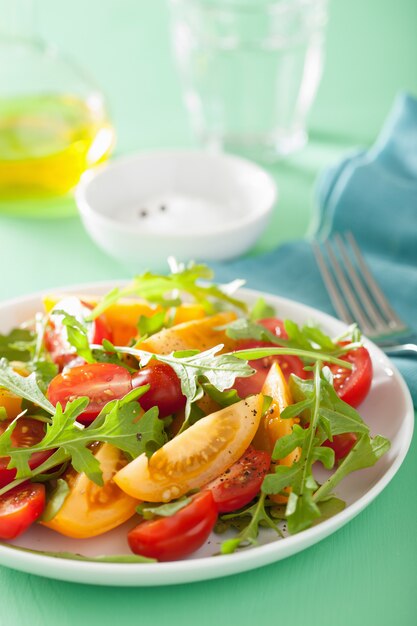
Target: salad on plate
x,y
173,404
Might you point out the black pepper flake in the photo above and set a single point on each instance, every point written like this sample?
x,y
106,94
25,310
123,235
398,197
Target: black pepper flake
x,y
139,436
143,213
162,208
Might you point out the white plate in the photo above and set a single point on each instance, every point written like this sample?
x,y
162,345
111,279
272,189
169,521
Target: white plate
x,y
388,410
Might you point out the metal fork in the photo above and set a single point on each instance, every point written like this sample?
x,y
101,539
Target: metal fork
x,y
357,297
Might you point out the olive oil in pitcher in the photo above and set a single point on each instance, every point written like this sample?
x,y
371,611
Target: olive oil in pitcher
x,y
47,141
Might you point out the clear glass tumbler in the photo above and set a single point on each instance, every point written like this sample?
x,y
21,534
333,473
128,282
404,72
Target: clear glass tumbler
x,y
250,70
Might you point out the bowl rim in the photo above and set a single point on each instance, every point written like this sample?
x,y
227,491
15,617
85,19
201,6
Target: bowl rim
x,y
262,210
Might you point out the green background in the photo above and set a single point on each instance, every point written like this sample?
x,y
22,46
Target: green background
x,y
366,573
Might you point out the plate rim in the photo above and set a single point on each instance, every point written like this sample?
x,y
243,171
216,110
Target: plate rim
x,y
204,568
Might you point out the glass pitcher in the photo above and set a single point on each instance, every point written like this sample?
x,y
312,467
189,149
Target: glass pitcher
x,y
53,119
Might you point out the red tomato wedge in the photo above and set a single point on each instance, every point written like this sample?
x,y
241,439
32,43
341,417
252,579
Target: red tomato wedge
x,y
100,382
352,386
56,337
288,364
341,444
238,485
19,508
165,388
171,538
28,432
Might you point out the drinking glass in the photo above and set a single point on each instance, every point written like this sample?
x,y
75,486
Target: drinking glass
x,y
250,70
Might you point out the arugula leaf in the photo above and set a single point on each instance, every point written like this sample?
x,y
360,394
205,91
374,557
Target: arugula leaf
x,y
52,475
313,355
243,328
248,536
301,510
316,336
194,368
191,366
151,435
296,336
72,556
18,345
148,326
24,386
196,414
365,453
325,455
284,476
261,310
329,507
335,416
110,356
222,398
158,289
55,500
117,424
25,346
45,371
77,334
149,510
309,338
326,416
286,444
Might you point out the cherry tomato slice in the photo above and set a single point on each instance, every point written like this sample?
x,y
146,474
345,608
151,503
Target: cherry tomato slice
x,y
341,444
171,538
100,382
289,364
352,386
56,342
165,388
19,508
27,433
238,485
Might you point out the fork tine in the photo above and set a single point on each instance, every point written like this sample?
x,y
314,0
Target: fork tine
x,y
393,320
350,296
368,306
333,291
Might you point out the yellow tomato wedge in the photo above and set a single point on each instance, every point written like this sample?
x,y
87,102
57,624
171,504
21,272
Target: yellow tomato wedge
x,y
8,400
272,427
199,334
188,313
89,509
196,456
122,317
11,403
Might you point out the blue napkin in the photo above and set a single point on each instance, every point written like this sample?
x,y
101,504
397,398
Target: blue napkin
x,y
372,193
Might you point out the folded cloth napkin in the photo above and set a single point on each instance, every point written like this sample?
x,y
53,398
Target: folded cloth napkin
x,y
372,193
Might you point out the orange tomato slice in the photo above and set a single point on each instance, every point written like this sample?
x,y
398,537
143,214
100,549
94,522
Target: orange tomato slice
x,y
196,456
200,334
272,427
89,509
11,403
122,317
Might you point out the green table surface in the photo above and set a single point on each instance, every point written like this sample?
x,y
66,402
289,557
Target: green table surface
x,y
366,573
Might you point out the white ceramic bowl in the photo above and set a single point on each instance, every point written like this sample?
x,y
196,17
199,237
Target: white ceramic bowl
x,y
189,204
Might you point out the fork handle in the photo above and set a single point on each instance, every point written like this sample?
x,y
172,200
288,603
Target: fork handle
x,y
401,349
